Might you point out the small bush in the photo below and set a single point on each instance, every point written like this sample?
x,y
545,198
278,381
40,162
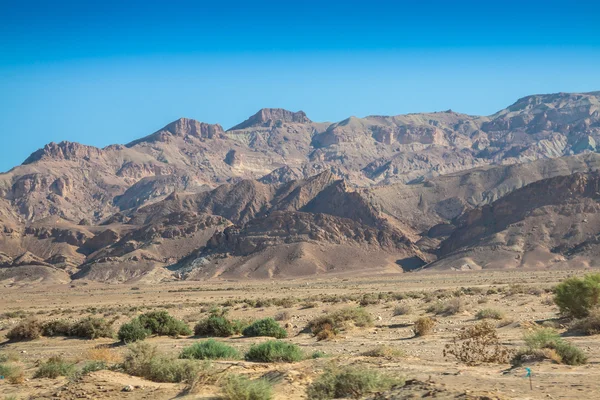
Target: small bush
x,y
450,307
350,382
59,327
92,328
103,354
12,373
423,326
282,316
274,351
55,367
478,344
329,325
145,361
541,341
489,313
265,327
589,325
238,387
403,309
93,366
218,325
28,329
209,350
162,324
576,297
133,331
384,352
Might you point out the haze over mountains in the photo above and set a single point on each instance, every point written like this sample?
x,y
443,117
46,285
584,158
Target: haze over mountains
x,y
279,195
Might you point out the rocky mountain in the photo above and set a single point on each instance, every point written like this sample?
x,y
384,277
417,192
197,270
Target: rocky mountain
x,y
282,195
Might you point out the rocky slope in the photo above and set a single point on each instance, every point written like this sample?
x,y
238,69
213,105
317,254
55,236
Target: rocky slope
x,y
295,191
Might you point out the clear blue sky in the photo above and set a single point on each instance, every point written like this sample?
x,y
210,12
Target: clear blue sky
x,y
102,72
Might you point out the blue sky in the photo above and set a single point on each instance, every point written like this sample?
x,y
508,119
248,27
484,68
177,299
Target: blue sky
x,y
102,72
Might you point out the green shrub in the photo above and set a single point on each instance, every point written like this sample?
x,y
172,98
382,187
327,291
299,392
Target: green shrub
x,y
218,326
28,329
274,351
489,313
238,387
59,327
331,324
209,350
162,324
265,327
145,361
92,328
350,382
133,331
576,297
55,367
12,373
541,340
93,366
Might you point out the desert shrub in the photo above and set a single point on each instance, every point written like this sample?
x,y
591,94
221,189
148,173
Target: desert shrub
x,y
477,344
589,325
209,350
104,354
489,313
92,328
9,356
423,326
28,329
450,307
133,331
576,297
350,382
162,324
274,351
369,299
59,327
217,324
402,309
238,387
546,342
265,327
93,366
318,354
329,325
285,302
384,352
282,316
146,361
12,373
55,367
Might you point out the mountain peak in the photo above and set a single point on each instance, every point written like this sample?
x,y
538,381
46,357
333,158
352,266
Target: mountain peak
x,y
269,116
183,127
63,151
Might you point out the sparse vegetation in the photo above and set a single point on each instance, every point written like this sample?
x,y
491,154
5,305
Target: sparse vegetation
x,y
12,373
55,367
28,329
162,324
146,361
489,313
450,307
478,344
58,327
209,350
265,327
547,343
576,297
274,351
330,325
589,325
238,387
384,352
423,326
350,382
403,309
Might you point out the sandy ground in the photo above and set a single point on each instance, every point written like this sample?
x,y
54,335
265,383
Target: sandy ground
x,y
423,363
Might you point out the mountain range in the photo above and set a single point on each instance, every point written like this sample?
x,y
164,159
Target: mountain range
x,y
282,196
